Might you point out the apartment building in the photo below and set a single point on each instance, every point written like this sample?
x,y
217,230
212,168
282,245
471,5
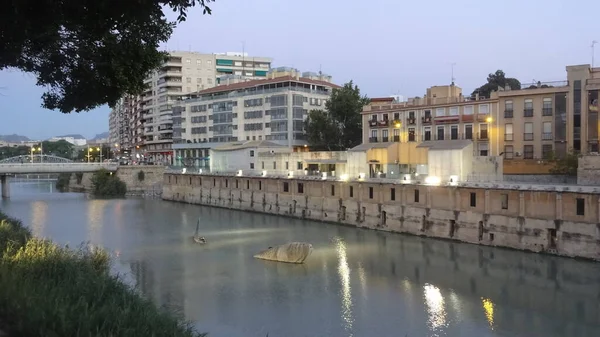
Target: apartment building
x,y
523,125
148,119
272,109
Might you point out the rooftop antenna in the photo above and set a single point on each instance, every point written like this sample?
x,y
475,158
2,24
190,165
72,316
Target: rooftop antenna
x,y
593,47
452,78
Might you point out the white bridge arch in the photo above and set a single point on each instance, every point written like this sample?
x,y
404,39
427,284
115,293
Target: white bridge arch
x,y
36,158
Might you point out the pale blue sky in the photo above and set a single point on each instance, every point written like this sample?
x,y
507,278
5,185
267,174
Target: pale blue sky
x,y
385,46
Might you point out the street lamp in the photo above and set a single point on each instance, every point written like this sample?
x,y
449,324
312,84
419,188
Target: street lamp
x,y
33,150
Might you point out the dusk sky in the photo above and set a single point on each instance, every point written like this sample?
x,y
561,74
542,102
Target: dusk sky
x,y
387,47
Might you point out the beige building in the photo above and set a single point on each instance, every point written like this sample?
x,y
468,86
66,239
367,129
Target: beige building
x,y
272,109
149,116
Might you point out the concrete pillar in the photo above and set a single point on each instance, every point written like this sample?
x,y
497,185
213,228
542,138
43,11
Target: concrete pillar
x,y
4,181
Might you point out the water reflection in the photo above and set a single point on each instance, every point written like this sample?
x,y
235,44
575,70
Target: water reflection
x,y
414,286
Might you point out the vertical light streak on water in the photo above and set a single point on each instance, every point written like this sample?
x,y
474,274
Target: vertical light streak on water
x,y
434,302
346,295
39,209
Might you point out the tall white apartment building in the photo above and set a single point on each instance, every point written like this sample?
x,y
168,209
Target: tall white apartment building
x,y
148,116
272,109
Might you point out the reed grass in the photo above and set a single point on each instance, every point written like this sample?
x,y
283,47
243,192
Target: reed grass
x,y
49,290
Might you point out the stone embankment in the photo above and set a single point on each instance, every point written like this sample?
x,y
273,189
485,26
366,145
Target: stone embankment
x,y
148,184
563,221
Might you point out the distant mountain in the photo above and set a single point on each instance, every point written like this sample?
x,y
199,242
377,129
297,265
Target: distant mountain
x,y
14,138
102,135
76,136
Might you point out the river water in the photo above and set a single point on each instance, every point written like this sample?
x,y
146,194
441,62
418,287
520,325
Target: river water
x,y
356,282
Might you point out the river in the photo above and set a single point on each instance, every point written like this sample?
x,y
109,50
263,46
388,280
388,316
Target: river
x,y
356,283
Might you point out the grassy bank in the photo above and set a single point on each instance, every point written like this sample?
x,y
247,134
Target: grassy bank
x,y
49,290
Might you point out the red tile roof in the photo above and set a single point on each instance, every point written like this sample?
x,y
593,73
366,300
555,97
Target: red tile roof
x,y
256,83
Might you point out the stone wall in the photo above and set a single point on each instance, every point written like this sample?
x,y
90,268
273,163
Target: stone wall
x,y
151,186
540,178
555,221
588,170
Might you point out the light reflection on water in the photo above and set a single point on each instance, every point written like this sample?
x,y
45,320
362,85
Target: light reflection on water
x,y
356,282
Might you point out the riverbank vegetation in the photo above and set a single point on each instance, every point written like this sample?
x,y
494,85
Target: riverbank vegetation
x,y
63,181
50,290
107,185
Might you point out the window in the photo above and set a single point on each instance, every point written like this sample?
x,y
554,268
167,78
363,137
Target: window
x,y
439,112
411,135
504,201
528,134
528,152
547,131
427,133
188,61
300,188
484,149
528,111
299,165
251,153
332,190
370,192
214,182
188,79
546,151
351,192
393,194
373,138
226,182
286,186
247,184
508,132
483,131
198,62
454,132
508,107
484,109
473,199
416,195
468,131
259,185
237,183
274,165
508,152
440,133
580,206
396,115
547,107
385,136
252,166
454,111
468,110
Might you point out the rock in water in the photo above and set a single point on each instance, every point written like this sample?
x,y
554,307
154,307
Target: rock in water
x,y
293,252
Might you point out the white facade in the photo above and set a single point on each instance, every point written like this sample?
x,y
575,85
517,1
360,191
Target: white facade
x,y
452,160
74,141
273,109
241,156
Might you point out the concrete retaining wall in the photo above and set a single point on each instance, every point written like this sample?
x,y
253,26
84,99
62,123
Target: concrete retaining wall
x,y
534,220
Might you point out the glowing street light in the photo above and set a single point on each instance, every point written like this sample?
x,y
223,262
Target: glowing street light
x,y
489,119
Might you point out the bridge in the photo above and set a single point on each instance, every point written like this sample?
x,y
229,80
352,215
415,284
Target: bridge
x,y
44,164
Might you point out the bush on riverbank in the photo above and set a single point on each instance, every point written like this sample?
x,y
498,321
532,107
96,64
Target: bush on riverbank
x,y
48,290
107,185
63,181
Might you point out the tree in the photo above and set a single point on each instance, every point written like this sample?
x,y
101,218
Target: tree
x,y
339,126
88,52
60,148
565,165
107,185
495,80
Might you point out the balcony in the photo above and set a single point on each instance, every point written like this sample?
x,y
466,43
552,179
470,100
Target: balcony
x,y
508,114
426,120
547,136
528,136
385,139
546,111
412,121
397,139
508,136
528,113
372,139
483,135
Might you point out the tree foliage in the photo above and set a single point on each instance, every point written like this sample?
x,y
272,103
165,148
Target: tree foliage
x,y
339,126
107,185
565,165
495,80
88,53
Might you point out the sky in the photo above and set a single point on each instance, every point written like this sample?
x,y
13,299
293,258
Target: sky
x,y
386,47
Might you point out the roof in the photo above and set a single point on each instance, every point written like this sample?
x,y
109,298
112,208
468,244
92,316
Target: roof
x,y
445,144
368,146
382,99
256,83
246,145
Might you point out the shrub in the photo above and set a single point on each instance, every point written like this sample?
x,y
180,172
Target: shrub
x,y
62,184
79,177
107,185
49,290
141,175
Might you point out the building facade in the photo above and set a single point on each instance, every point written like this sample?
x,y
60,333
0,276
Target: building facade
x,y
148,117
272,109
